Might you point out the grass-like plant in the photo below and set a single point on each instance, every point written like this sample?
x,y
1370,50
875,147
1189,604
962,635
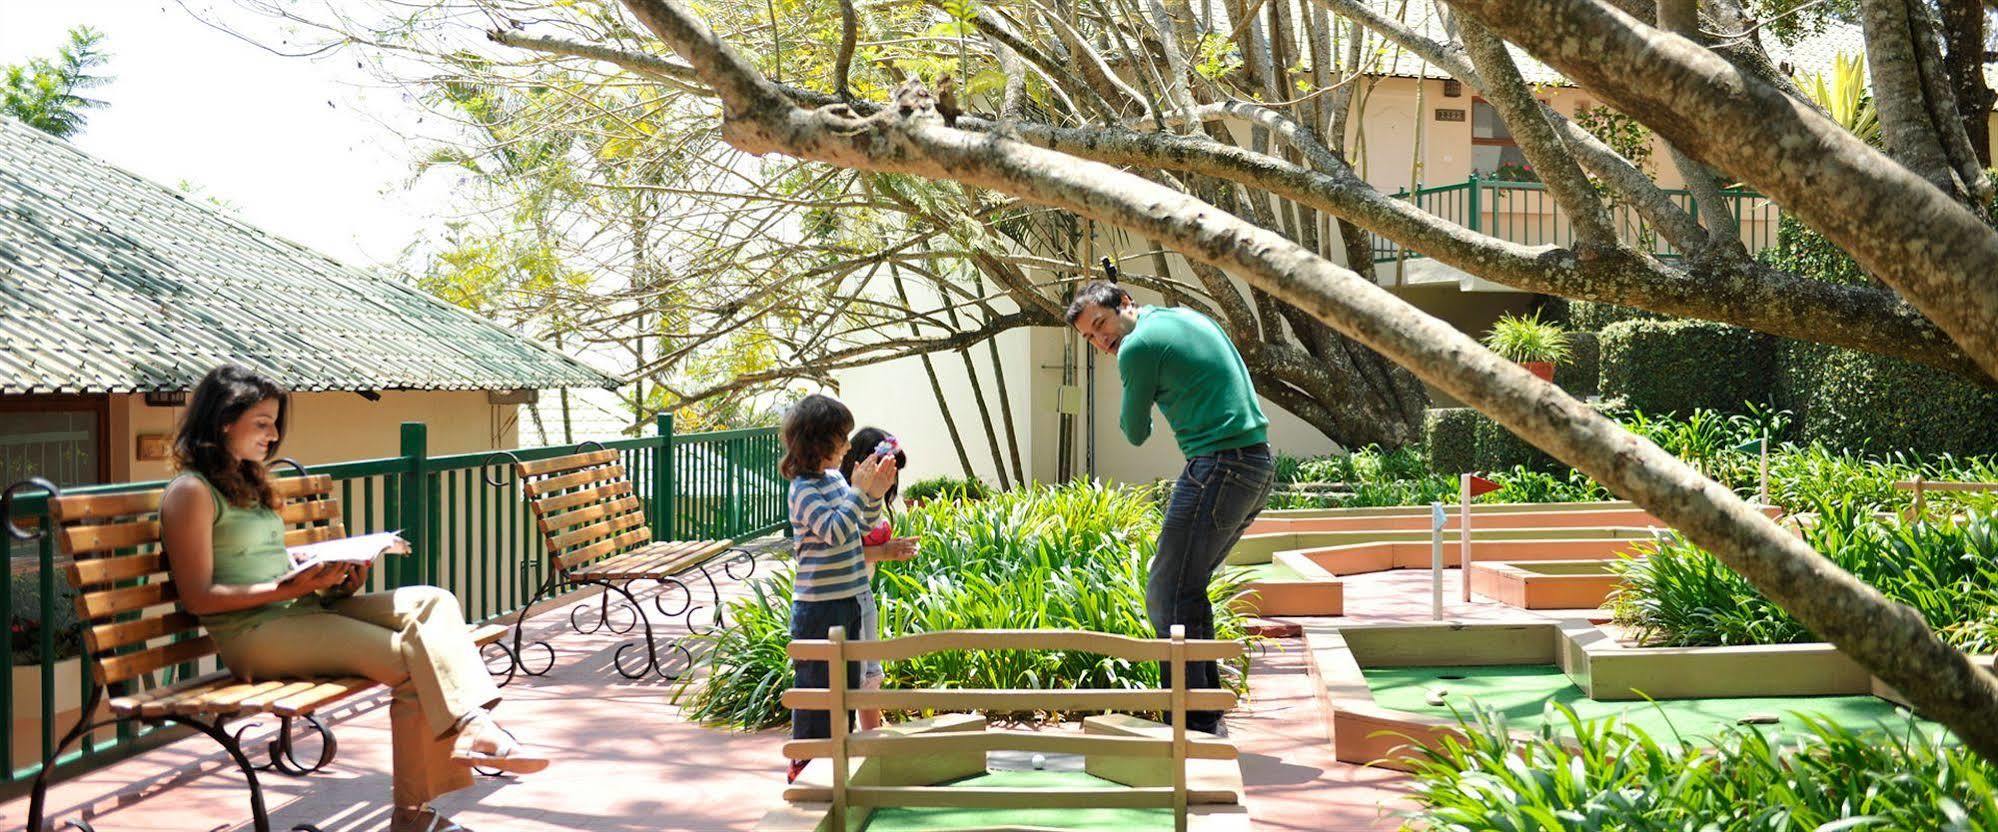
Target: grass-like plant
x,y
1681,595
1609,775
1528,339
1071,556
946,488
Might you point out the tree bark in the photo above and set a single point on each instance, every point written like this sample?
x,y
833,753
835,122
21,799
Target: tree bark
x,y
1890,640
1963,31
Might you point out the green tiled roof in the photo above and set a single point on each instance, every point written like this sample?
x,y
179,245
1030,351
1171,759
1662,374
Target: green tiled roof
x,y
112,283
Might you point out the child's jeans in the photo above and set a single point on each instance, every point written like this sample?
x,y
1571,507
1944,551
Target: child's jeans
x,y
815,620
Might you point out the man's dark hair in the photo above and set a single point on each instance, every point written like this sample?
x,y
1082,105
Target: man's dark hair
x,y
1097,293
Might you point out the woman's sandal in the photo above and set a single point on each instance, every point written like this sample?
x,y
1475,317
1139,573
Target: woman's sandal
x,y
508,758
796,768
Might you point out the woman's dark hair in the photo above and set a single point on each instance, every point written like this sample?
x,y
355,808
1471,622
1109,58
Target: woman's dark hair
x,y
218,401
1104,293
863,447
812,429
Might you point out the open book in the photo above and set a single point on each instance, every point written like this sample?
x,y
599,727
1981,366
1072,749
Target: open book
x,y
357,550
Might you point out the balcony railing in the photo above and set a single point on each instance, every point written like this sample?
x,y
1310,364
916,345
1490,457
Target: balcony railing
x,y
1523,212
475,539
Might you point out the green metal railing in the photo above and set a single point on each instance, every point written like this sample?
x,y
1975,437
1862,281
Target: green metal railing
x,y
476,539
1523,212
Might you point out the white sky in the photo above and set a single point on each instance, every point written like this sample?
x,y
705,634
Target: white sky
x,y
250,127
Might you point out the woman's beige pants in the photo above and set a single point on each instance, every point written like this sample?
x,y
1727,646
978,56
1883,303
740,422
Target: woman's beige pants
x,y
412,639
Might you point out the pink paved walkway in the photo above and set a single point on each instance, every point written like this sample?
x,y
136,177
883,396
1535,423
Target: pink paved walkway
x,y
629,762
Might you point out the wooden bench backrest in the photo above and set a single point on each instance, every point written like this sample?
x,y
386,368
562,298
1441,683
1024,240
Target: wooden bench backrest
x,y
1177,651
585,506
121,574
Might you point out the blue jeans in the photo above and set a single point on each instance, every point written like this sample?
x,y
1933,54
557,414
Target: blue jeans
x,y
815,620
1216,498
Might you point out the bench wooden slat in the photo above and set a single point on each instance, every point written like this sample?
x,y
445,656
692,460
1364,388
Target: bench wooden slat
x,y
549,506
314,534
117,669
592,476
108,537
552,523
306,511
601,548
131,703
489,633
102,506
640,563
225,697
680,558
873,743
320,695
294,487
111,636
90,572
564,463
287,687
91,606
596,531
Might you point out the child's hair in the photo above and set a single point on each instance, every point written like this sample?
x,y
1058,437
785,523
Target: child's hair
x,y
218,400
812,429
863,447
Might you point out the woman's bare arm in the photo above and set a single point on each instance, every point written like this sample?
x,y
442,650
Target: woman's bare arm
x,y
187,526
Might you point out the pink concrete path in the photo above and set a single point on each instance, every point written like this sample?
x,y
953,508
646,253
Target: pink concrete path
x,y
628,761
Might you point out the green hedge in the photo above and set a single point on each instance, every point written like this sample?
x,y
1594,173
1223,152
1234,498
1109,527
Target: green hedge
x,y
1451,434
1589,316
1870,403
1461,439
1581,374
1677,366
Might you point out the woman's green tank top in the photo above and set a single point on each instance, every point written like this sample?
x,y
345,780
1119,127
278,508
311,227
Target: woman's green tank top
x,y
248,548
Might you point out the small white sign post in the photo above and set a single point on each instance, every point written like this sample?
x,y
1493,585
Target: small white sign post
x,y
1436,520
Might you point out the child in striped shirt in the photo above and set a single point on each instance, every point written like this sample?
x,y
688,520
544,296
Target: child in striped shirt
x,y
829,518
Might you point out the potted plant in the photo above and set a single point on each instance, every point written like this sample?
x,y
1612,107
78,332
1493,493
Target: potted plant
x,y
1535,344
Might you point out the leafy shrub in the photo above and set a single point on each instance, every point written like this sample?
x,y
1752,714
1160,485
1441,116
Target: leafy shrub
x,y
1071,556
1527,339
946,488
1612,776
1581,373
1451,434
24,630
1589,316
1499,449
1872,403
1681,595
1680,366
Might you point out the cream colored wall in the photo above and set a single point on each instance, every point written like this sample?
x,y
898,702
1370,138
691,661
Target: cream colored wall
x,y
333,427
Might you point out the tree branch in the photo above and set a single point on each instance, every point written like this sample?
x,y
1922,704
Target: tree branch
x,y
1524,115
1887,638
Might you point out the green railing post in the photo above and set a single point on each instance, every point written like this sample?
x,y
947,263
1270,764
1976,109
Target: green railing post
x,y
414,511
735,458
662,479
1476,201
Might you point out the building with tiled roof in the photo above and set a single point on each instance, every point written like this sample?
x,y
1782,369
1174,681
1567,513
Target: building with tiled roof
x,y
118,293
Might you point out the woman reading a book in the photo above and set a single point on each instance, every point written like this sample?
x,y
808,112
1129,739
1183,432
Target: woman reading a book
x,y
224,543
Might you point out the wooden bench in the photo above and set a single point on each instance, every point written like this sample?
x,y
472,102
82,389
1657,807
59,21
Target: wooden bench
x,y
133,629
596,533
911,764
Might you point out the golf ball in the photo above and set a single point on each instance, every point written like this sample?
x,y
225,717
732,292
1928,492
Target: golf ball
x,y
1040,761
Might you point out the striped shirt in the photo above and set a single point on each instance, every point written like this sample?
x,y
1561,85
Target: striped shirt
x,y
828,520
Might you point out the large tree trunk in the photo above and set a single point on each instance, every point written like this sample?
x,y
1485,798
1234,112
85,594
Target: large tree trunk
x,y
1888,639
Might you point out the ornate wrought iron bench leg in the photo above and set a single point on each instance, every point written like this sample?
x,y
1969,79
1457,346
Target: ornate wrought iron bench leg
x,y
650,647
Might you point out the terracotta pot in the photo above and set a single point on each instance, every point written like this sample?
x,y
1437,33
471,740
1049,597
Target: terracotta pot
x,y
1543,369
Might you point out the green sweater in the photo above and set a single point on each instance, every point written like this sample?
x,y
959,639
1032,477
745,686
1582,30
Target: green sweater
x,y
1186,364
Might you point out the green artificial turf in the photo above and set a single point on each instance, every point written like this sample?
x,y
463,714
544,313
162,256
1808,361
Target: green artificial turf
x,y
1271,571
1522,692
929,819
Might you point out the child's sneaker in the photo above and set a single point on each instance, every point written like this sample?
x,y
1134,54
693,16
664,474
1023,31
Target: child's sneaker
x,y
797,767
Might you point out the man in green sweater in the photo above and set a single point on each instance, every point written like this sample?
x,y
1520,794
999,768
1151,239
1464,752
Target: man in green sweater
x,y
1185,364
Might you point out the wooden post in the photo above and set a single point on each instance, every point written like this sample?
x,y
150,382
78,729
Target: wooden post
x,y
1921,507
836,682
1464,531
1178,728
